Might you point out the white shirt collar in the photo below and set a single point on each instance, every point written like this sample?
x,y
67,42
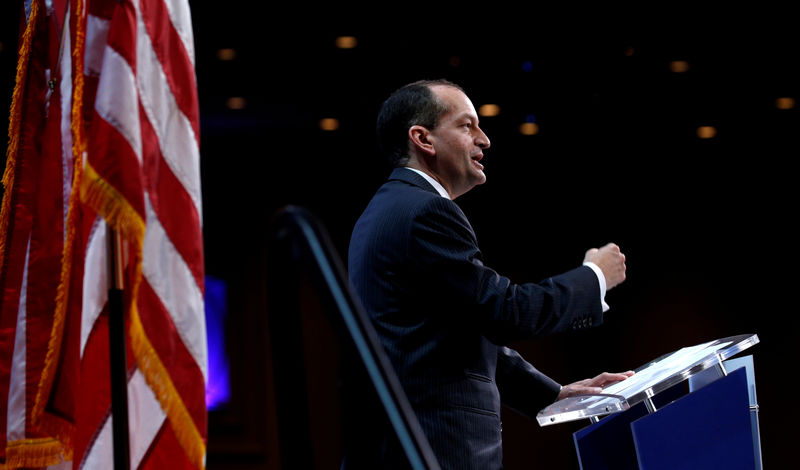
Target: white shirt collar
x,y
439,188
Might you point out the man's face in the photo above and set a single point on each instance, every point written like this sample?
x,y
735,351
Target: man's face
x,y
458,143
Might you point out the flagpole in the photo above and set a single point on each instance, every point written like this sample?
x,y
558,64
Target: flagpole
x,y
116,352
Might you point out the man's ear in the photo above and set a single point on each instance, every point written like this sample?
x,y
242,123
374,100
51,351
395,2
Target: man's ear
x,y
419,137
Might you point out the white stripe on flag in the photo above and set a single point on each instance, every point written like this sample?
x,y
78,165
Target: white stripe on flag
x,y
66,120
96,37
116,100
95,279
145,417
173,282
15,421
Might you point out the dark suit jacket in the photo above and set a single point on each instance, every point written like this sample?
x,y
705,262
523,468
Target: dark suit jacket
x,y
443,318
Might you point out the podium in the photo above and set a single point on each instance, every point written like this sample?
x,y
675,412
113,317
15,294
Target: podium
x,y
692,408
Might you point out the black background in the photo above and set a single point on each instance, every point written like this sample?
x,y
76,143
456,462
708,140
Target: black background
x,y
708,225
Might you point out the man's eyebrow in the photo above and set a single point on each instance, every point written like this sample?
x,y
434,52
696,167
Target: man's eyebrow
x,y
467,115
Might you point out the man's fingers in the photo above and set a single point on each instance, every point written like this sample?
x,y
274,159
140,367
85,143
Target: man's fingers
x,y
612,246
594,385
575,389
607,377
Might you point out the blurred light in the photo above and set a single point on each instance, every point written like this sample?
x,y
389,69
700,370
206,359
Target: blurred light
x,y
529,128
530,118
489,110
1,46
236,102
226,54
679,66
784,102
527,66
329,124
628,51
218,388
706,132
346,42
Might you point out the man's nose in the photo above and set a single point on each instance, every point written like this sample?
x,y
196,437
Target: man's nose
x,y
482,140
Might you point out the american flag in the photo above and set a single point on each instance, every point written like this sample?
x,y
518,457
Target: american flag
x,y
104,132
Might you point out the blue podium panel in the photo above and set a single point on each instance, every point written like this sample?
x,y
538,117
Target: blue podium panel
x,y
708,376
709,428
608,444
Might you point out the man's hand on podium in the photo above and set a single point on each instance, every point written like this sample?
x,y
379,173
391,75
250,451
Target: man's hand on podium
x,y
592,386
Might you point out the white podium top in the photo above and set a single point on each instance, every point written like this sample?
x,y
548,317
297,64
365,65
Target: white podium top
x,y
649,379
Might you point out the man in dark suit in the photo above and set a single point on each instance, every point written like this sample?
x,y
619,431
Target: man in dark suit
x,y
442,315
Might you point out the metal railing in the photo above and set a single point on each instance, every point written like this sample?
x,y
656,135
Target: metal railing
x,y
299,245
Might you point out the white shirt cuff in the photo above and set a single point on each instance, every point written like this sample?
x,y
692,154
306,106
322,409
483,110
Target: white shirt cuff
x,y
601,278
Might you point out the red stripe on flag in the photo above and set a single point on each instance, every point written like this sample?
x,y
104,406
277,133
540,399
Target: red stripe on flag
x,y
122,34
166,452
101,8
89,93
94,401
123,172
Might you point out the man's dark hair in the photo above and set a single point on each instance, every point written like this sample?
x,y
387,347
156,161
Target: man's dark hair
x,y
413,104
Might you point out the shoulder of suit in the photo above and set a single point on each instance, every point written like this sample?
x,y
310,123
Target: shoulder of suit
x,y
413,178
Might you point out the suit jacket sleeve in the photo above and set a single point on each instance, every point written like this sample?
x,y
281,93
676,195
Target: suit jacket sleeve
x,y
463,289
522,387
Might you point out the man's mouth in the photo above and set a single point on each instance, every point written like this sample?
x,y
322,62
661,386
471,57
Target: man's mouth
x,y
476,160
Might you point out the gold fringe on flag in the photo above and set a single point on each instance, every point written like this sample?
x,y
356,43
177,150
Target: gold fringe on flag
x,y
40,452
101,196
14,124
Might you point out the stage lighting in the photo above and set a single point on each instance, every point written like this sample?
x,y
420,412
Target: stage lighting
x,y
529,128
236,102
226,54
784,102
489,110
346,42
328,124
679,66
706,132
